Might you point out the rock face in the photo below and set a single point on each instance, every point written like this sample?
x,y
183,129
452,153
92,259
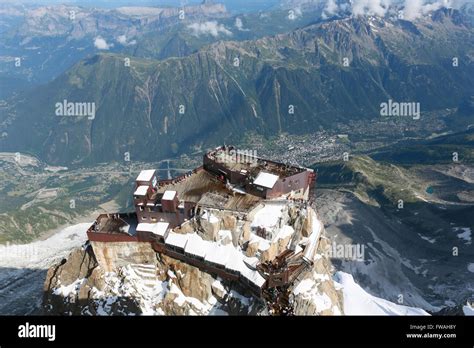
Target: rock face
x,y
70,287
191,281
123,278
306,225
229,222
316,294
129,279
211,226
113,255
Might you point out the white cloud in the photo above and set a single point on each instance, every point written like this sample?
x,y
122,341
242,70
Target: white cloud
x,y
330,9
209,28
370,7
418,8
295,13
412,9
101,44
239,25
122,39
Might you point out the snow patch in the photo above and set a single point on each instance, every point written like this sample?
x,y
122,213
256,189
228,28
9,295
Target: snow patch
x,y
210,217
428,239
268,217
468,310
71,289
358,302
465,234
43,254
308,290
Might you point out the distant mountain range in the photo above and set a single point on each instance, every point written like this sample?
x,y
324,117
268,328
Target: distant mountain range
x,y
298,82
50,39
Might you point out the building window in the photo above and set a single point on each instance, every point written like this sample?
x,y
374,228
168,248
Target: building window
x,y
141,208
144,217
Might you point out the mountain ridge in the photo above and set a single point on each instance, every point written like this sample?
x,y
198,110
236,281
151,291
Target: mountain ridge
x,y
229,87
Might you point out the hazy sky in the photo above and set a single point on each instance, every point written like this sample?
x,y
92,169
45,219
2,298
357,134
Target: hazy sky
x,y
232,5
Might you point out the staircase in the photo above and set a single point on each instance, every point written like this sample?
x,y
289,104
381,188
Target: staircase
x,y
144,280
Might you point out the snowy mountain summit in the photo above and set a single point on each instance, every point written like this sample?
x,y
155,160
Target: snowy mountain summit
x,y
237,235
